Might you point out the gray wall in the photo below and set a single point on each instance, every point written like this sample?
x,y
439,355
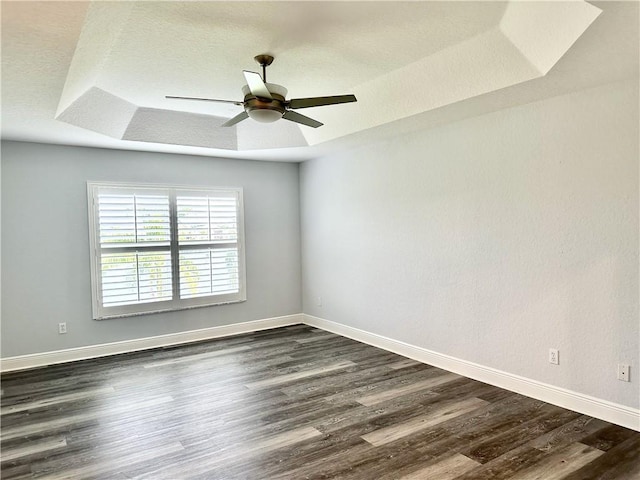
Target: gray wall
x,y
490,239
45,251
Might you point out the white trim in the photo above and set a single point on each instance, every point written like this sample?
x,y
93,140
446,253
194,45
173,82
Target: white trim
x,y
23,362
594,407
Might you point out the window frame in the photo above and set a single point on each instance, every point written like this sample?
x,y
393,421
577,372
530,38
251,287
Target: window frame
x,y
100,312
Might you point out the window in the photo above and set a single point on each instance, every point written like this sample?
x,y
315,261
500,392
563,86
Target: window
x,y
158,248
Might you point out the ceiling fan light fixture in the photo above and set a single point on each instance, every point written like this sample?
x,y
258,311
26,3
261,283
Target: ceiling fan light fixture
x,y
265,115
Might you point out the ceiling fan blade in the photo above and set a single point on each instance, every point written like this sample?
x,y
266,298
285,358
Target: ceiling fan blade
x,y
205,99
320,101
256,85
298,118
236,119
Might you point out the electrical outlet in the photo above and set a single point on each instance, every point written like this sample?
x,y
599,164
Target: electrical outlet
x,y
623,372
62,327
554,356
319,301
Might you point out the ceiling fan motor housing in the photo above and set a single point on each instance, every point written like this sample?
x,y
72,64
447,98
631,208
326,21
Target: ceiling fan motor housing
x,y
262,109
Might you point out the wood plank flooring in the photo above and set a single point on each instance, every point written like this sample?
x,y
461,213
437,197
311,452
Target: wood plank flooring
x,y
291,403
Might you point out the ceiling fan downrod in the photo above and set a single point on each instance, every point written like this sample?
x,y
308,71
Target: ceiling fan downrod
x,y
264,61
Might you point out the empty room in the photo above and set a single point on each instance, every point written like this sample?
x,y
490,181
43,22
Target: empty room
x,y
320,240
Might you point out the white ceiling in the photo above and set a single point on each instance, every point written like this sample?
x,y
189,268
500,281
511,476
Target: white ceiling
x,y
96,73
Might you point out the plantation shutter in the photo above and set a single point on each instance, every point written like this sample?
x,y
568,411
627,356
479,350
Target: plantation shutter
x,y
164,248
135,254
208,243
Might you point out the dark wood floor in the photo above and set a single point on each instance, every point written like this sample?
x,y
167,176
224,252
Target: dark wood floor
x,y
291,403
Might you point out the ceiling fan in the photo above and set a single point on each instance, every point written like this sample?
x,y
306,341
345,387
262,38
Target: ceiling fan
x,y
266,103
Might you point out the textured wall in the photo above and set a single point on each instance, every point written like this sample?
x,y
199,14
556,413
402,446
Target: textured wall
x,y
45,250
490,240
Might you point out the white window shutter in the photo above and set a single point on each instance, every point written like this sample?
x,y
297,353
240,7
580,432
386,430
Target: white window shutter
x,y
143,235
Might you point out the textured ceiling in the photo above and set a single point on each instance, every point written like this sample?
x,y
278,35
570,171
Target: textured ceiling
x,y
96,73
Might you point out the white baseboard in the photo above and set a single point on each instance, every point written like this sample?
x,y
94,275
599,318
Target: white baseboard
x,y
23,362
594,407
